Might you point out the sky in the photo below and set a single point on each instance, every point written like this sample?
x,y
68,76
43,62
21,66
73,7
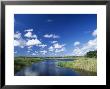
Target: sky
x,y
54,34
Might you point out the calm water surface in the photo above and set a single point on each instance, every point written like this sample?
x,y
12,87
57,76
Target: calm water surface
x,y
47,68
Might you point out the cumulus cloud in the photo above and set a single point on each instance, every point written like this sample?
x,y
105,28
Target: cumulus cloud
x,y
15,52
16,43
57,48
33,54
94,33
29,47
36,52
76,43
28,51
51,48
89,46
33,42
29,35
48,36
60,50
55,36
43,52
17,35
42,45
57,45
51,36
54,42
30,41
19,42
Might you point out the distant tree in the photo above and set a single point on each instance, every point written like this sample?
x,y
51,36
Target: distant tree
x,y
91,54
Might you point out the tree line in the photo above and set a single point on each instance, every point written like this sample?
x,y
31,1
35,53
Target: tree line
x,y
91,54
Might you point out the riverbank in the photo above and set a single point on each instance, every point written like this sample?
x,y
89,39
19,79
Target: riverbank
x,y
20,63
82,65
58,58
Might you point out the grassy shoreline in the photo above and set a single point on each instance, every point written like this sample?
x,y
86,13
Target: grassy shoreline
x,y
82,65
20,63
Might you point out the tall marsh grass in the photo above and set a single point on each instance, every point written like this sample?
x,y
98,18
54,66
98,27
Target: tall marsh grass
x,y
83,66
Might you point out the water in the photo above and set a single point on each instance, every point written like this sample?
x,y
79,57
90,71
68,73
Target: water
x,y
47,68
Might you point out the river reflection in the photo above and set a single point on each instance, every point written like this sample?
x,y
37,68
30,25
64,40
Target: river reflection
x,y
47,68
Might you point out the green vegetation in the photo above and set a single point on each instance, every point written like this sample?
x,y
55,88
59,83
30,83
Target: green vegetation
x,y
61,57
91,54
21,62
83,66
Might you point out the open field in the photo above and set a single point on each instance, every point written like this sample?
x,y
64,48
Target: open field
x,y
82,65
21,62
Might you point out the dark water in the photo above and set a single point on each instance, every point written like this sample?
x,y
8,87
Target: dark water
x,y
47,68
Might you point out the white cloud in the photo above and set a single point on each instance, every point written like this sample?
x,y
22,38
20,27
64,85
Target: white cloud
x,y
34,36
22,43
51,48
89,46
57,48
19,42
33,42
43,52
28,51
28,30
55,36
29,47
29,35
42,45
94,33
48,36
16,43
54,42
29,42
92,42
36,51
51,36
17,35
60,50
33,54
76,43
22,46
56,45
15,52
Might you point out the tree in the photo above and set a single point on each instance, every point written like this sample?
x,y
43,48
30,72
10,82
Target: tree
x,y
91,54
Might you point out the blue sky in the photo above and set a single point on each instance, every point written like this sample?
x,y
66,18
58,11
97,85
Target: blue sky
x,y
54,34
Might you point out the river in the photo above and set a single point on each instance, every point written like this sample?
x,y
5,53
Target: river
x,y
47,67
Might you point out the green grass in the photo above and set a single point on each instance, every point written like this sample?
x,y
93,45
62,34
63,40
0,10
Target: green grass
x,y
21,62
82,65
